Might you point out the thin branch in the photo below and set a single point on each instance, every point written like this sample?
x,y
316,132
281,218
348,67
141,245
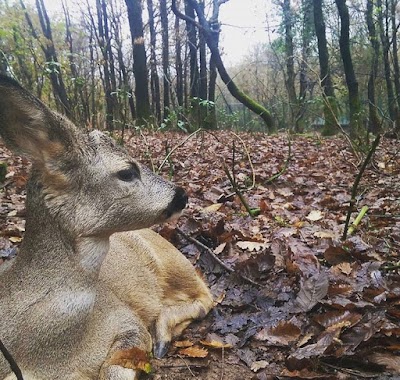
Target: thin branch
x,y
285,165
214,257
11,361
176,147
356,183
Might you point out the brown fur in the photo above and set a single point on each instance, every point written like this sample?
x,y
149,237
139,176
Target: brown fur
x,y
69,310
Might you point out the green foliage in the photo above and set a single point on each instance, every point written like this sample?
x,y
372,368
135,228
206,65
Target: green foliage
x,y
174,120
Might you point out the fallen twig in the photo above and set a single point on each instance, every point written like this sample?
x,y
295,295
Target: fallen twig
x,y
214,256
11,361
356,183
285,165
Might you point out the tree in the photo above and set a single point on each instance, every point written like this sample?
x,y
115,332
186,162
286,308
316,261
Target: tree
x,y
233,89
165,56
288,18
374,123
351,81
139,60
328,93
53,66
383,21
154,80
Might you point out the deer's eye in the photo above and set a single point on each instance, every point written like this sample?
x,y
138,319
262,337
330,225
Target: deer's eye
x,y
129,175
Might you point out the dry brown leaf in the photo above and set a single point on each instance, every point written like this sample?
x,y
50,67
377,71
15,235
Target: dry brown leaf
x,y
312,290
183,343
212,208
194,352
215,344
282,334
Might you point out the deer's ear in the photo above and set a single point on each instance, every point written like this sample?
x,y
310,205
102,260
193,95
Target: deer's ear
x,y
29,127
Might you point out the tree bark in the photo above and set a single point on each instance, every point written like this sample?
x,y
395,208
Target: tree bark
x,y
374,123
395,55
139,60
165,56
351,81
178,63
49,50
289,53
154,80
233,89
385,42
328,93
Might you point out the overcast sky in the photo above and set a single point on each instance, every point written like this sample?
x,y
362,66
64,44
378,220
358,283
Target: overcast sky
x,y
244,25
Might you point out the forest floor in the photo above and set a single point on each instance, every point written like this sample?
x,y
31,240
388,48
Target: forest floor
x,y
293,300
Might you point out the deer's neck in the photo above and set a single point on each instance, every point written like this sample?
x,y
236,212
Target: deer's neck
x,y
51,246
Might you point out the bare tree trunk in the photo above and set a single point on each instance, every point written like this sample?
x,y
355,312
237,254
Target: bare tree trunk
x,y
49,51
374,123
178,63
351,81
395,56
78,83
154,80
165,56
126,87
139,60
215,31
385,41
233,89
289,52
305,53
330,105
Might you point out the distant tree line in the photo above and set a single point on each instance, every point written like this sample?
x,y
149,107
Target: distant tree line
x,y
115,64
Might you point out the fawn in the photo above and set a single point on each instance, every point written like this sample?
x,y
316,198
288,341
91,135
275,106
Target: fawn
x,y
78,302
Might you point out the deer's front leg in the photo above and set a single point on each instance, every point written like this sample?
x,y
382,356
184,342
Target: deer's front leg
x,y
115,372
125,360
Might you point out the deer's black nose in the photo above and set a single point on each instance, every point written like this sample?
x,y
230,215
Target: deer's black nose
x,y
179,201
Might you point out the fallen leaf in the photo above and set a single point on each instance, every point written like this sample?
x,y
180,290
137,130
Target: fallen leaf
x,y
312,290
194,352
212,208
282,334
251,245
183,343
314,215
215,344
260,364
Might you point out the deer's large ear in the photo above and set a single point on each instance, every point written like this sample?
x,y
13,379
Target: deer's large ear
x,y
29,127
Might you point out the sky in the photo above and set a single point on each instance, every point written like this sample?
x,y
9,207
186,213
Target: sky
x,y
243,25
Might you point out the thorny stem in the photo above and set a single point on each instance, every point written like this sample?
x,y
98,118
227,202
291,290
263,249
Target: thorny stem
x,y
214,256
176,147
356,183
285,165
237,191
11,361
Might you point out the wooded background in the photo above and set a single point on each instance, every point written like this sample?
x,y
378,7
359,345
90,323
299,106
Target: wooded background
x,y
154,63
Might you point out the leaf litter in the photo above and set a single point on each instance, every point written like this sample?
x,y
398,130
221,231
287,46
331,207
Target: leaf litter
x,y
297,302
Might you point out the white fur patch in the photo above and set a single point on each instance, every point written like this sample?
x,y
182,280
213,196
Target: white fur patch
x,y
73,302
92,252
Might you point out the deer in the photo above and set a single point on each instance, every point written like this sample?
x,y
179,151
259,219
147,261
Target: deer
x,y
92,288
